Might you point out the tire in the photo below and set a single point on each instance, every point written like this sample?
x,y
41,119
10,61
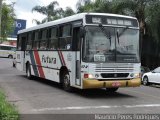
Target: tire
x,y
10,56
145,81
14,65
111,89
28,72
66,82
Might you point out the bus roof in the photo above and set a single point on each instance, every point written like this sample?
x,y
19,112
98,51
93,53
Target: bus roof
x,y
69,19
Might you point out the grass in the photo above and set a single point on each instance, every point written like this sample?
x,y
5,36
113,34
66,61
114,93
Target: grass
x,y
7,111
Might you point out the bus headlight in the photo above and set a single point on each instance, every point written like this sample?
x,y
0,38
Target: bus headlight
x,y
88,76
137,75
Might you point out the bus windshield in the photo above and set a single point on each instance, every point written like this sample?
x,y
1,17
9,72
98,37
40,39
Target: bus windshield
x,y
111,45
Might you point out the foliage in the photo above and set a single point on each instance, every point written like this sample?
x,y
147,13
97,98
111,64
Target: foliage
x,y
153,19
7,20
51,12
68,12
7,111
102,6
84,6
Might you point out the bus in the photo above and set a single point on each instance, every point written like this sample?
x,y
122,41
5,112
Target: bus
x,y
7,50
84,51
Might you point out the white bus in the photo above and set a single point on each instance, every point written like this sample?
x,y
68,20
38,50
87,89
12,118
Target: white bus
x,y
86,50
7,50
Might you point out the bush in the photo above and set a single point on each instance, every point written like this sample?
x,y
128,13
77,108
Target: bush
x,y
7,111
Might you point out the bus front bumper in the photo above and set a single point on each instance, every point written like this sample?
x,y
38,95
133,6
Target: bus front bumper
x,y
93,83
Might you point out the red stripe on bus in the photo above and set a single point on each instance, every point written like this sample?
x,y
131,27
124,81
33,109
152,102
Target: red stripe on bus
x,y
62,58
37,58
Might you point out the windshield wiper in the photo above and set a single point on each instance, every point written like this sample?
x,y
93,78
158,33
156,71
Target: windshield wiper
x,y
105,33
118,35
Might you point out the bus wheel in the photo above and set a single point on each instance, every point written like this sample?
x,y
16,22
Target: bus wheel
x,y
10,56
111,89
28,72
66,81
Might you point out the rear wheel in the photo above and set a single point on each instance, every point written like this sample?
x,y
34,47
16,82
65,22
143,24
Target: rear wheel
x,y
111,89
145,81
66,81
28,72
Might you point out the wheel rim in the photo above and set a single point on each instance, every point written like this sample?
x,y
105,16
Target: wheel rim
x,y
66,80
28,73
145,81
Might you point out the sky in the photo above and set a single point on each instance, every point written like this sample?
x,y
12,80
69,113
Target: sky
x,y
23,8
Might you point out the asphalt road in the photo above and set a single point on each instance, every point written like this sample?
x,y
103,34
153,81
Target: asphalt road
x,y
46,98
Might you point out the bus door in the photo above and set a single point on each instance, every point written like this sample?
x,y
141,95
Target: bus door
x,y
20,53
76,48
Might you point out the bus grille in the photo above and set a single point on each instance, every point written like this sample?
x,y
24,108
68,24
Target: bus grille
x,y
114,69
114,75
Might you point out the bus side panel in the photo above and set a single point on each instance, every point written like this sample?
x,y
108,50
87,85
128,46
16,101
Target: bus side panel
x,y
47,64
53,61
30,59
51,65
69,59
20,60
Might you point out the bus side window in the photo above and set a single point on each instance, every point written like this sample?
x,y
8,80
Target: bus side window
x,y
53,40
43,40
65,37
29,41
76,39
19,42
35,40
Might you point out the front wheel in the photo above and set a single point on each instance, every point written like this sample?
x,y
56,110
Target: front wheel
x,y
66,81
145,81
28,72
111,89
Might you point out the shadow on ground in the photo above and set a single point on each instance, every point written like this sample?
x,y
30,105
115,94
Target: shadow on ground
x,y
87,93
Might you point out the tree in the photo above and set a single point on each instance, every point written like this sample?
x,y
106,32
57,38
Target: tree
x,y
153,26
0,17
7,20
68,12
102,6
49,11
84,6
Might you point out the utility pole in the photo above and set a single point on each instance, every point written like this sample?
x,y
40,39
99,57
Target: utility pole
x,y
0,20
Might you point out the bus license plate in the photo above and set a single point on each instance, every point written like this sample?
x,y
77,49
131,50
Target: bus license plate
x,y
116,84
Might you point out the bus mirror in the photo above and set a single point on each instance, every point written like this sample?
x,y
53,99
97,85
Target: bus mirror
x,y
82,32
